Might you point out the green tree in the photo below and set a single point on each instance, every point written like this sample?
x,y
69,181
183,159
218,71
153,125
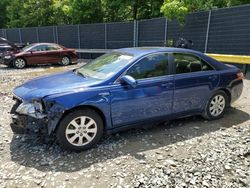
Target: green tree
x,y
122,10
3,5
62,12
28,13
86,11
178,9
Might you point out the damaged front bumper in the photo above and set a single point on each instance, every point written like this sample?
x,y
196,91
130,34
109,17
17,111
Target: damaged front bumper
x,y
22,124
35,117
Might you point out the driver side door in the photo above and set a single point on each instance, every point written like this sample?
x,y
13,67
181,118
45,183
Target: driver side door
x,y
37,55
150,99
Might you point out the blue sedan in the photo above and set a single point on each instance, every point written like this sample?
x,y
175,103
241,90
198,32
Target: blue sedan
x,y
124,89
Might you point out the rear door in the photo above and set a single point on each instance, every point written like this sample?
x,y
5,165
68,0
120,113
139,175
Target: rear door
x,y
195,80
54,53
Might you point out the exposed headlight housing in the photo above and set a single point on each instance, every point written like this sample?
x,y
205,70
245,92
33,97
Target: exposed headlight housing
x,y
34,109
7,57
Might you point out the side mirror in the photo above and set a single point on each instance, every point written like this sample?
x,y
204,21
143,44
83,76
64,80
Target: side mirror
x,y
128,80
31,51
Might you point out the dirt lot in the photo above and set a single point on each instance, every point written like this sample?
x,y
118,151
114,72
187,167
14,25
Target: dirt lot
x,y
189,152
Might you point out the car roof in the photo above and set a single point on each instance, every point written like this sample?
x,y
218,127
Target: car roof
x,y
44,43
139,51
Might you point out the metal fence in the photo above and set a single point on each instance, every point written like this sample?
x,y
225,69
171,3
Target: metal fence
x,y
225,31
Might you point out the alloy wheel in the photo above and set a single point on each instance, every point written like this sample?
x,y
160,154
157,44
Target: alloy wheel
x,y
65,61
20,63
217,105
81,131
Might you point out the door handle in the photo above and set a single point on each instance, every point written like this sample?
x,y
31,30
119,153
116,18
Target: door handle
x,y
213,77
167,85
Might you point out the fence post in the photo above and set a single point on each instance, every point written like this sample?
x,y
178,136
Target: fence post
x,y
20,35
135,32
37,35
208,27
54,37
105,35
79,37
56,34
166,32
5,33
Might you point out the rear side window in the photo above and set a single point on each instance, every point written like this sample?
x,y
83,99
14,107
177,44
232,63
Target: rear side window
x,y
53,47
186,63
151,66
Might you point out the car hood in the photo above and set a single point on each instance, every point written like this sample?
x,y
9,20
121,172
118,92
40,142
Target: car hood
x,y
3,40
52,84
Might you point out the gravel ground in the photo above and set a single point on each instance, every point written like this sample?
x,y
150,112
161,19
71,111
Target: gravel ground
x,y
188,152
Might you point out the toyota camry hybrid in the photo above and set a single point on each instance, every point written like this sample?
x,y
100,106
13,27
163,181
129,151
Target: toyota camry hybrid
x,y
124,89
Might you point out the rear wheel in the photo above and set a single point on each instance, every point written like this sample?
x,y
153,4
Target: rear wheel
x,y
216,106
19,63
80,130
65,61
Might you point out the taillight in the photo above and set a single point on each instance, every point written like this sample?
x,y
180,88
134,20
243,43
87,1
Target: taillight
x,y
240,76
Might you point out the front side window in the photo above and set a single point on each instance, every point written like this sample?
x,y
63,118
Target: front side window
x,y
28,48
151,66
186,63
40,48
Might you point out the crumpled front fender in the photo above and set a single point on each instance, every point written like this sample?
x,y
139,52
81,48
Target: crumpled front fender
x,y
54,115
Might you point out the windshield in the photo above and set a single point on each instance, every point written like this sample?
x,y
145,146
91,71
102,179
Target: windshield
x,y
27,48
105,66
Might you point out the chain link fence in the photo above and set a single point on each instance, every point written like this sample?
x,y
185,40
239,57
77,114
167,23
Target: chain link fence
x,y
225,31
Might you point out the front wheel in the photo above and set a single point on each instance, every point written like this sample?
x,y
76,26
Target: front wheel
x,y
19,63
80,130
216,106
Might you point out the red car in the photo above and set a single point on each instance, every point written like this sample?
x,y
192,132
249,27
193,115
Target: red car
x,y
39,53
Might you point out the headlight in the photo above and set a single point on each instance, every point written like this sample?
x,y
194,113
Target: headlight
x,y
34,109
7,57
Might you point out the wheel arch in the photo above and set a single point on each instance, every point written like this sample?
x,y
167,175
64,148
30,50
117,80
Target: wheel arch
x,y
82,107
21,57
228,93
66,55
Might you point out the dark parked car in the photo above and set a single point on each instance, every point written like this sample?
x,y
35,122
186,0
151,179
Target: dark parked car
x,y
124,89
39,53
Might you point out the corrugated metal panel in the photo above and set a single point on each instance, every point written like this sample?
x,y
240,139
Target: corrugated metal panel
x,y
1,33
68,36
151,32
195,29
230,31
120,35
13,35
92,36
46,34
29,35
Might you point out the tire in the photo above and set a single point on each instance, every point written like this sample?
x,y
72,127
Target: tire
x,y
72,134
216,106
65,61
19,63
